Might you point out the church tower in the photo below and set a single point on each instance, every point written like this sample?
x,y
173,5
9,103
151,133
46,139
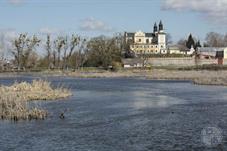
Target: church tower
x,y
161,26
155,28
161,38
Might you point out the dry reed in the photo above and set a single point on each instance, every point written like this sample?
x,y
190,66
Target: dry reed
x,y
14,99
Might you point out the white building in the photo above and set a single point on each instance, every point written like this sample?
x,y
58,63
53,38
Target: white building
x,y
133,63
175,50
147,43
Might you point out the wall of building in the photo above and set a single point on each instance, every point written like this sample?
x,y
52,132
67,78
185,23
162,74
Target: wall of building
x,y
140,37
162,41
144,48
143,44
180,62
225,53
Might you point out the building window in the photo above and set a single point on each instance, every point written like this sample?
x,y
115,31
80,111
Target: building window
x,y
139,40
161,46
147,41
156,46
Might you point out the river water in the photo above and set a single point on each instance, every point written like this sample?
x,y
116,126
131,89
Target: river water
x,y
122,114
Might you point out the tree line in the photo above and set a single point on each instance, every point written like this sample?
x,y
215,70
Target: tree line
x,y
74,51
212,39
66,52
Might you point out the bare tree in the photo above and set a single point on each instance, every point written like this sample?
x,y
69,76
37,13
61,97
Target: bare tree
x,y
225,40
49,51
59,44
144,57
65,47
23,46
182,44
31,44
168,39
69,48
81,53
32,61
54,58
214,39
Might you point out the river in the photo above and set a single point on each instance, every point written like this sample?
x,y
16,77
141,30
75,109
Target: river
x,y
122,114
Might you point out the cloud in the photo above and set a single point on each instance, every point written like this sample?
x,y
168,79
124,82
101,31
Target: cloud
x,y
92,24
212,10
47,30
16,2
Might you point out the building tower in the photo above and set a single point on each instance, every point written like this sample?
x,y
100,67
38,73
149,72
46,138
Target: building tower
x,y
161,26
155,28
161,38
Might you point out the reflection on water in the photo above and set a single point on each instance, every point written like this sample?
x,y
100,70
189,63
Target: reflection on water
x,y
149,100
122,114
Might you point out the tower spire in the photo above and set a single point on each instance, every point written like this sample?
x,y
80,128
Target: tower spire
x,y
155,28
160,26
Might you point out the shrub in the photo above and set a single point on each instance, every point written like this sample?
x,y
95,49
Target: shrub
x,y
116,66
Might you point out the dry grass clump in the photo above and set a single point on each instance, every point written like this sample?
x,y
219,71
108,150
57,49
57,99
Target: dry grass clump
x,y
39,90
14,99
14,106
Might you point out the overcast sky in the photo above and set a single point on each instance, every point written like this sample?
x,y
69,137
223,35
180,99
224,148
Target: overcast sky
x,y
95,17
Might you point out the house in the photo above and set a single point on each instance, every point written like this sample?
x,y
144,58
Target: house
x,y
190,51
219,53
174,50
147,43
212,52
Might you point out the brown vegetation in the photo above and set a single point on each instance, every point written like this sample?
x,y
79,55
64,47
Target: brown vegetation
x,y
14,99
205,77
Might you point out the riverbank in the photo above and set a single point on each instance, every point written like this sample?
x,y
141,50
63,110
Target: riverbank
x,y
14,99
202,77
